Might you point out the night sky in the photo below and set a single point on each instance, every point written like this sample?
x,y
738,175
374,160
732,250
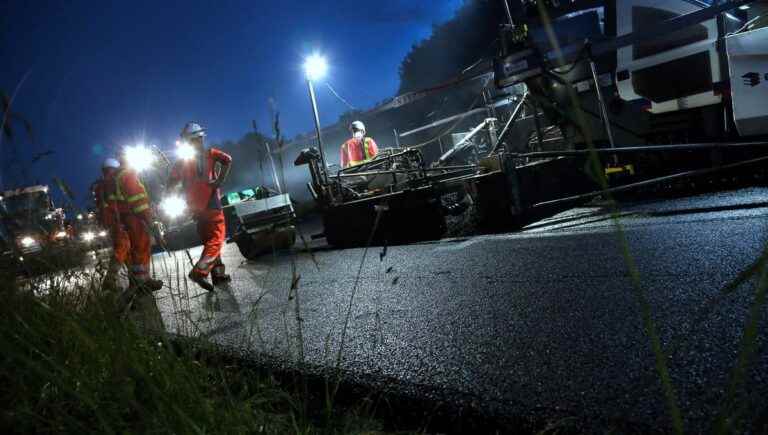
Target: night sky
x,y
100,75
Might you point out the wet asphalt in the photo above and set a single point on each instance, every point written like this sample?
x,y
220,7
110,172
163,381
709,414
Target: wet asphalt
x,y
545,323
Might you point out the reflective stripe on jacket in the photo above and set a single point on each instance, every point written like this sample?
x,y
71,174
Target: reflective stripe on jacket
x,y
130,194
355,151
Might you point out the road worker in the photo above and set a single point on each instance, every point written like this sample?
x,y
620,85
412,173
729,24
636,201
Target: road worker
x,y
135,218
105,197
359,148
201,174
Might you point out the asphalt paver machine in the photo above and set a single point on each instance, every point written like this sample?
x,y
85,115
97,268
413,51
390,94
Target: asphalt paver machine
x,y
641,93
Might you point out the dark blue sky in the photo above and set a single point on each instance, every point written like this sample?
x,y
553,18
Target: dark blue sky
x,y
106,74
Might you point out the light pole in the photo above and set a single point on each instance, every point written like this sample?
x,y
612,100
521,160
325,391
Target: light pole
x,y
315,68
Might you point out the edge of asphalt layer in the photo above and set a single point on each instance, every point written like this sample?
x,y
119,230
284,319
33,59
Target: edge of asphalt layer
x,y
401,405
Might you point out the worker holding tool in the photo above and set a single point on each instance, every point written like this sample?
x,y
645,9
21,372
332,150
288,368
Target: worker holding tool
x,y
358,149
200,181
105,196
135,218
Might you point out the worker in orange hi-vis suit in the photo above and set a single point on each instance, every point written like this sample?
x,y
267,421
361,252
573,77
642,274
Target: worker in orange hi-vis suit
x,y
105,196
359,148
135,217
198,175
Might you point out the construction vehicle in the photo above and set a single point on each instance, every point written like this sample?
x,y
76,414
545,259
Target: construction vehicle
x,y
608,96
262,221
37,233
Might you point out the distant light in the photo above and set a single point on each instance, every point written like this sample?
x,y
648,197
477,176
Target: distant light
x,y
185,151
102,233
315,67
27,241
173,206
743,7
139,158
79,217
45,189
61,234
89,236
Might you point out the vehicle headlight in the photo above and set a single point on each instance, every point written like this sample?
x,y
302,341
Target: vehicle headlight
x,y
173,206
88,236
102,233
27,241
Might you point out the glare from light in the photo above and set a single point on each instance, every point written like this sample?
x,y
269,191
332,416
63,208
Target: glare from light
x,y
27,241
89,236
61,234
173,206
185,151
102,233
744,7
49,216
139,158
79,217
315,67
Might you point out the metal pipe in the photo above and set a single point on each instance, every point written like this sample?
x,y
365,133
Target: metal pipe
x,y
601,103
443,121
508,126
646,148
692,173
316,114
537,122
509,12
406,171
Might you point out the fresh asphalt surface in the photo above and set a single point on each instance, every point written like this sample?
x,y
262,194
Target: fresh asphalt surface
x,y
545,323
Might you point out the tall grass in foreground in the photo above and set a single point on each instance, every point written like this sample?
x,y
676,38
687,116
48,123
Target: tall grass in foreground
x,y
70,364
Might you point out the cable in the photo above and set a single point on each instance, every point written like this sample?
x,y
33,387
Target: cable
x,y
333,91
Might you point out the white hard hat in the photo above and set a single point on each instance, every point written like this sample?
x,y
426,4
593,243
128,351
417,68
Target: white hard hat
x,y
357,126
110,163
192,130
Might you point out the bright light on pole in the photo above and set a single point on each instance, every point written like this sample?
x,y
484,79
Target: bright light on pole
x,y
173,206
139,158
185,151
315,68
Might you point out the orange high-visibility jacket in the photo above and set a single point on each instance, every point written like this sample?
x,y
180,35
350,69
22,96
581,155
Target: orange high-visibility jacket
x,y
130,195
356,151
195,176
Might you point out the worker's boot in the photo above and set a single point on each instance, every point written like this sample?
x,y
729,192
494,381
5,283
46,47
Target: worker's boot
x,y
153,285
200,280
146,286
219,277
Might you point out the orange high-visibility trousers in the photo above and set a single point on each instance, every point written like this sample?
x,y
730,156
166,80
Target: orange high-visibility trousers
x,y
121,244
212,230
140,246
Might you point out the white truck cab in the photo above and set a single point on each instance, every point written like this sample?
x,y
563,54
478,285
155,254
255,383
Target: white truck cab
x,y
698,65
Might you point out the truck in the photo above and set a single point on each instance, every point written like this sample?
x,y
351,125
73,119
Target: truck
x,y
35,231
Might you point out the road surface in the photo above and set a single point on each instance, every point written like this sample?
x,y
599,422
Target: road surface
x,y
543,323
